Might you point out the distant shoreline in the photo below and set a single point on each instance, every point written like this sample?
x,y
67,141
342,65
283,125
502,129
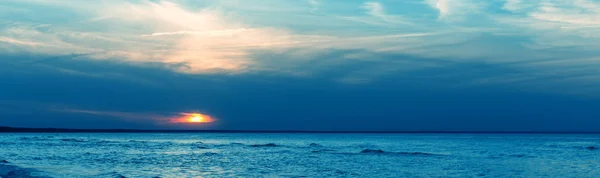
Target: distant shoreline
x,y
66,130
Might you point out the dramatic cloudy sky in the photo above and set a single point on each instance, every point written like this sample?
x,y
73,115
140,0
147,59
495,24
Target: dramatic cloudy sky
x,y
485,65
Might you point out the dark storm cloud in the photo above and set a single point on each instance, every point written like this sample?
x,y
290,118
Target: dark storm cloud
x,y
432,97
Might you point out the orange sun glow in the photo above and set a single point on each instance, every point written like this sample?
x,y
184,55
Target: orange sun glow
x,y
193,118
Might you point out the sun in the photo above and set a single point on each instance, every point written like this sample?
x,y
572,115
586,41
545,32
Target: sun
x,y
192,118
196,118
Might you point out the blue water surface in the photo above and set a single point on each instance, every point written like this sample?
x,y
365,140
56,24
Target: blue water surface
x,y
298,155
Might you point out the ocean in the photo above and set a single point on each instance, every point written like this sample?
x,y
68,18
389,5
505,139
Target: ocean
x,y
298,155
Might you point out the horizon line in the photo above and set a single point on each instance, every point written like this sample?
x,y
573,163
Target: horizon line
x,y
5,129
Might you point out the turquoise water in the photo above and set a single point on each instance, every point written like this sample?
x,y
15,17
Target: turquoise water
x,y
298,155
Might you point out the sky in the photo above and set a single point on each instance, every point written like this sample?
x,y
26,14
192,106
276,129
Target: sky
x,y
352,65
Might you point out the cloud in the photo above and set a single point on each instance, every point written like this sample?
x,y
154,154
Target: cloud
x,y
389,79
205,33
513,5
122,115
18,42
204,41
558,24
442,6
456,10
551,14
207,42
198,41
377,10
575,14
162,120
148,118
36,106
153,59
314,5
194,41
219,37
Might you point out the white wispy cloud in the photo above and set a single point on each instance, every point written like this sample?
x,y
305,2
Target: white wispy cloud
x,y
512,5
377,10
129,116
554,24
579,14
206,33
314,5
225,36
205,41
456,10
520,6
18,42
442,6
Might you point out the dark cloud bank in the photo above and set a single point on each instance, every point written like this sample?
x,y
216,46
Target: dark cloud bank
x,y
425,99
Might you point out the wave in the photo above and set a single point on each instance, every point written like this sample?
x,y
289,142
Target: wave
x,y
510,156
106,142
372,151
265,145
323,150
137,141
378,151
590,148
576,146
72,140
208,146
7,170
234,144
209,154
111,174
520,156
35,138
419,153
365,145
202,147
314,145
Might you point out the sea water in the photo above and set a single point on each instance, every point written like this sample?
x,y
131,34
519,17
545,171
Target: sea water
x,y
298,155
